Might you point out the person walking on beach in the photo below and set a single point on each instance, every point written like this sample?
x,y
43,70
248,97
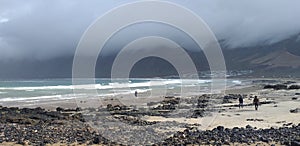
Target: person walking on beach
x,y
256,102
135,93
241,102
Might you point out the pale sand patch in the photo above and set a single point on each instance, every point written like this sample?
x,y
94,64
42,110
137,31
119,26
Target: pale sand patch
x,y
273,115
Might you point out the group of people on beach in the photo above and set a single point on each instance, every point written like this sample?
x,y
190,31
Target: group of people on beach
x,y
255,102
241,101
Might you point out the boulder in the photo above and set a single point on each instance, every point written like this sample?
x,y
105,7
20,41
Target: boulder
x,y
297,110
220,128
276,87
292,87
294,98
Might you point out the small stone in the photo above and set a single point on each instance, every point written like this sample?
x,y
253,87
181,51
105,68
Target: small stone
x,y
220,128
295,143
295,110
96,140
294,98
249,127
286,143
263,139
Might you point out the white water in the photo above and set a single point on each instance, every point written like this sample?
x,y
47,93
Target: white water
x,y
63,89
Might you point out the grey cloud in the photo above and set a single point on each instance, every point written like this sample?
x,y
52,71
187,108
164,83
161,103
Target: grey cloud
x,y
246,23
47,29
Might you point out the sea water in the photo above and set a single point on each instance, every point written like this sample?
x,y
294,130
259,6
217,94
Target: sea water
x,y
59,89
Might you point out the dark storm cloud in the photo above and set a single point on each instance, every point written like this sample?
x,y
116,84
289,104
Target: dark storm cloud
x,y
47,29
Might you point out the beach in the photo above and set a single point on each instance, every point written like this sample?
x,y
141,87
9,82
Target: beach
x,y
205,119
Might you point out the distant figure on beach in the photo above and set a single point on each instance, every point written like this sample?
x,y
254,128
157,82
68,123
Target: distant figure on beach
x,y
256,102
241,101
135,93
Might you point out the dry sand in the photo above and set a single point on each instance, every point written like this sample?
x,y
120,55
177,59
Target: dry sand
x,y
267,116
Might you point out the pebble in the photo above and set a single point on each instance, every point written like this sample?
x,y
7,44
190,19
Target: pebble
x,y
297,110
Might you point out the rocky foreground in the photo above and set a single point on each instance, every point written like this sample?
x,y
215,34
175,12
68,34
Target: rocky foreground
x,y
39,127
247,135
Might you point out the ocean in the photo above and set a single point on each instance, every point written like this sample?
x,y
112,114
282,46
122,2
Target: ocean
x,y
59,89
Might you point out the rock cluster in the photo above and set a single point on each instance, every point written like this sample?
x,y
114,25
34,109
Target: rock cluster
x,y
225,136
202,107
134,121
282,87
33,116
230,97
109,107
276,87
169,103
39,127
294,87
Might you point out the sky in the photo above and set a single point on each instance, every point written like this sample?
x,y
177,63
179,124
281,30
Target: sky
x,y
35,29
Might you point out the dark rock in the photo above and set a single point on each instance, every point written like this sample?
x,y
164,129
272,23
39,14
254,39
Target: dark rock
x,y
249,127
263,139
276,87
220,128
288,124
198,113
292,87
286,143
295,143
109,107
289,82
59,109
294,98
297,110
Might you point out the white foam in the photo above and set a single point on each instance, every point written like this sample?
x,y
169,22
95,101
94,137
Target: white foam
x,y
37,88
90,86
237,82
173,81
130,85
204,81
157,82
30,98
